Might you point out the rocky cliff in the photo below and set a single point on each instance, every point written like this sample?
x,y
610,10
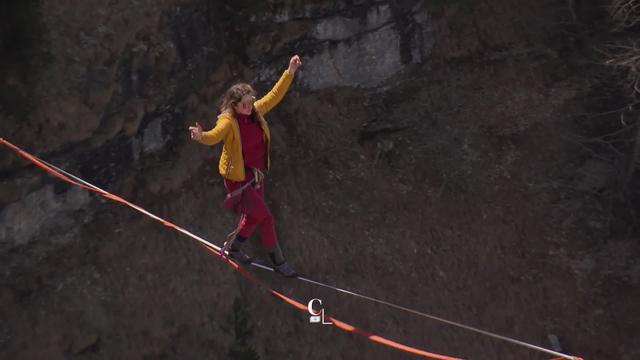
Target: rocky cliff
x,y
448,156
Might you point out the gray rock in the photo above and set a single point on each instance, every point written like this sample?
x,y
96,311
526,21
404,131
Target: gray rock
x,y
341,28
368,61
40,212
152,137
364,51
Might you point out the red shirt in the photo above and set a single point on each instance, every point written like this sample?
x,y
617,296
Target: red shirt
x,y
254,149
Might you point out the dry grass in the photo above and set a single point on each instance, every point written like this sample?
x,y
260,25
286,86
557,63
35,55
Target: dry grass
x,y
625,13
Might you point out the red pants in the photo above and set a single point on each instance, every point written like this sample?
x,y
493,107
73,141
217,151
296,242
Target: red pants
x,y
263,218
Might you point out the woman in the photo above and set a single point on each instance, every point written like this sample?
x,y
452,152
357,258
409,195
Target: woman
x,y
245,159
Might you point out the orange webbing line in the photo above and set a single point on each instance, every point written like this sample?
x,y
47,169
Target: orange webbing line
x,y
105,194
290,301
340,324
34,160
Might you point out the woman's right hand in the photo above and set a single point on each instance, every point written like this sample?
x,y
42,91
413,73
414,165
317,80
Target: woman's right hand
x,y
196,132
294,64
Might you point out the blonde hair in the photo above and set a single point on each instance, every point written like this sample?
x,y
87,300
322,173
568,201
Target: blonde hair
x,y
233,96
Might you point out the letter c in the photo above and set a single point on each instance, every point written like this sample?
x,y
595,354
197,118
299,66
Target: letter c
x,y
310,306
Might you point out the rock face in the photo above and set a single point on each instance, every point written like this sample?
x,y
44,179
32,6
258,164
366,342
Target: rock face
x,y
424,155
351,50
42,214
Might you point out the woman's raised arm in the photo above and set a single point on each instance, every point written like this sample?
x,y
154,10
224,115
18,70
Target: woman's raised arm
x,y
269,101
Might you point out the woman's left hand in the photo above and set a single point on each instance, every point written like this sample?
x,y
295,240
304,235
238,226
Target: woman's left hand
x,y
196,132
294,64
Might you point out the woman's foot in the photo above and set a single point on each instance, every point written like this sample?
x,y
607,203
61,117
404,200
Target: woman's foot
x,y
279,262
239,255
235,251
286,270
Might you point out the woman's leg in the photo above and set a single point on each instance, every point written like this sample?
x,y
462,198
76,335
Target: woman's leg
x,y
268,236
246,226
267,226
247,223
258,214
244,229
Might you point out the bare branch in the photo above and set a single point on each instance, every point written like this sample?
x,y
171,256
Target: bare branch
x,y
625,13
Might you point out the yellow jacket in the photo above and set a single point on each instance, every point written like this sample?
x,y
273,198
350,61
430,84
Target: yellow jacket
x,y
231,164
